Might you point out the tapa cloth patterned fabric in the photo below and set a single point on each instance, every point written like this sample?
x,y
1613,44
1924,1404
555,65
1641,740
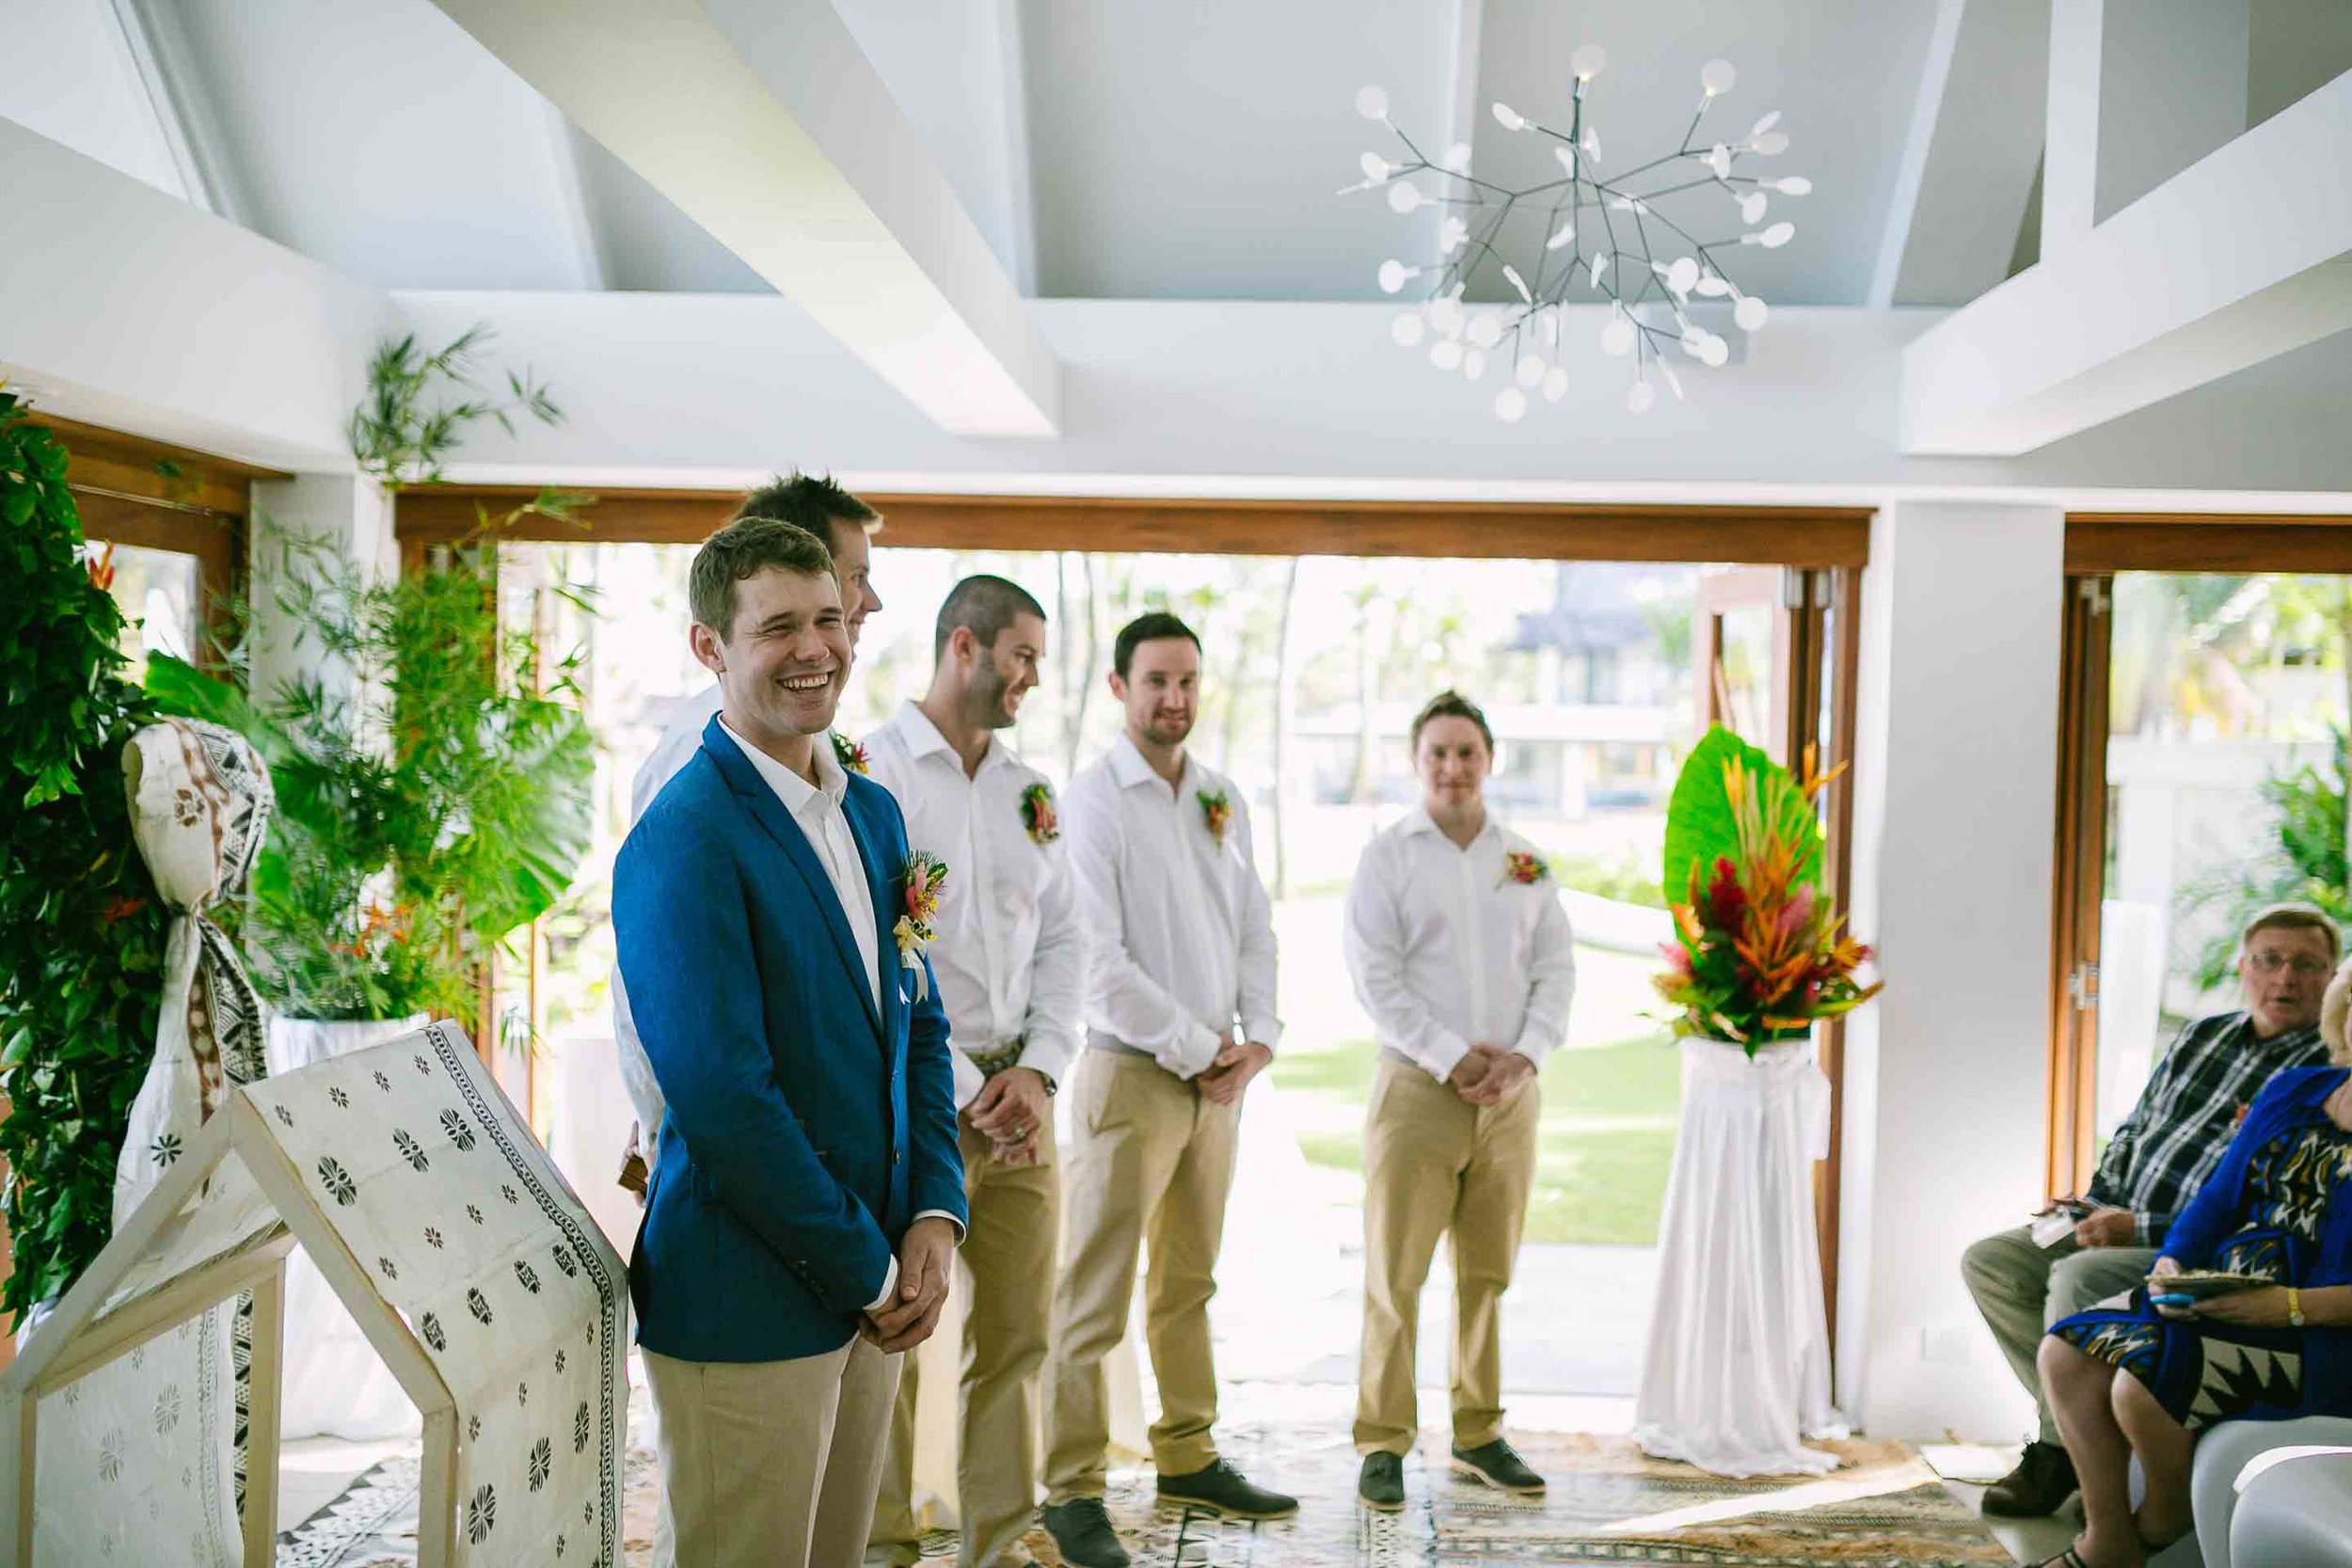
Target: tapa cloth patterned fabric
x,y
200,804
1736,1369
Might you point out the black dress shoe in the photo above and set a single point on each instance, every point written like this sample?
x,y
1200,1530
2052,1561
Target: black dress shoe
x,y
1381,1482
1081,1529
1498,1465
1220,1489
2044,1478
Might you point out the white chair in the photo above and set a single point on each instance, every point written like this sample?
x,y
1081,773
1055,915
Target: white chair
x,y
2232,1481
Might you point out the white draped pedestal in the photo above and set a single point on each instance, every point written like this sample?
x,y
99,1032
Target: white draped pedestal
x,y
335,1385
1737,1371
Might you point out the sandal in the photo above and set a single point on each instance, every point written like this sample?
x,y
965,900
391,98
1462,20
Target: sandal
x,y
2067,1558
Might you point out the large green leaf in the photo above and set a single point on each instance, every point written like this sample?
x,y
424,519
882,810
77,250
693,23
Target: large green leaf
x,y
1699,825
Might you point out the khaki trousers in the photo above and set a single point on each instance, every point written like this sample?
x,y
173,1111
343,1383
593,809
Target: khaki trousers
x,y
1436,1167
1008,1286
771,1464
2023,1288
1151,1162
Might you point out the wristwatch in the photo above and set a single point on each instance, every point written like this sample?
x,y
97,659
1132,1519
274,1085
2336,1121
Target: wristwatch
x,y
2295,1307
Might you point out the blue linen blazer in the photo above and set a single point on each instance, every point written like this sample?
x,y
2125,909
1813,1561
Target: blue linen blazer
x,y
804,1130
2293,1099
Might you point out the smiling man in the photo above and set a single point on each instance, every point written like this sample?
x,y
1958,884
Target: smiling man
x,y
2152,1166
1010,963
806,1194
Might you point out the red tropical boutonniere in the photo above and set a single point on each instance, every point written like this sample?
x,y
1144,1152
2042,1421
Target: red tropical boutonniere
x,y
1037,814
1523,867
1217,812
850,754
924,875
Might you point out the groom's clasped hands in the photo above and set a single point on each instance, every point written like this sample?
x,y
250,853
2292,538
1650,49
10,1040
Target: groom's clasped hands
x,y
1489,1075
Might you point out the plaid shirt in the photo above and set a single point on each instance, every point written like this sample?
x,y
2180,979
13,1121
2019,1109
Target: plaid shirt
x,y
2176,1135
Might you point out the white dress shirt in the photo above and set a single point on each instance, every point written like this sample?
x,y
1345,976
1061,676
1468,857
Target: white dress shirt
x,y
1448,952
1007,953
1180,933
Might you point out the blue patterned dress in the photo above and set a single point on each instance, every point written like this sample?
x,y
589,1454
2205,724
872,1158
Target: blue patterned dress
x,y
2290,1209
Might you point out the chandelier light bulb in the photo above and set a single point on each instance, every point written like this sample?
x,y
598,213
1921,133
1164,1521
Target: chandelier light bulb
x,y
1446,354
1457,157
1712,286
1565,234
1672,380
1592,145
1684,274
1550,318
1509,118
1510,405
1777,235
1717,159
1485,330
1752,207
1765,125
1713,351
1793,184
1372,103
1445,314
1511,275
1771,144
1616,338
1750,314
1407,329
1376,167
1693,340
1404,196
1587,61
1638,397
1393,273
1531,370
1567,156
1474,363
1717,77
1600,264
1452,234
1555,383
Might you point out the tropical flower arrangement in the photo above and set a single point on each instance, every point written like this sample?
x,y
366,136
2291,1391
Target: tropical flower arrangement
x,y
851,755
1217,811
1523,867
1761,953
1037,814
924,875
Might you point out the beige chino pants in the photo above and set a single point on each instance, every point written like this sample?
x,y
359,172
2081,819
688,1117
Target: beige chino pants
x,y
1008,1287
1150,1164
771,1463
1436,1167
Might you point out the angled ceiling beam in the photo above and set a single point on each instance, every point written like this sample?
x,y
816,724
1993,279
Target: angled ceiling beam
x,y
1961,189
764,123
2239,258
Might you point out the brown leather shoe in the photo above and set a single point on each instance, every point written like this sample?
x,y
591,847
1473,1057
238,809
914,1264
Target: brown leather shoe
x,y
2044,1479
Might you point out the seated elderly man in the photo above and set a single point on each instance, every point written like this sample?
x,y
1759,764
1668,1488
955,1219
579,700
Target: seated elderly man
x,y
2164,1149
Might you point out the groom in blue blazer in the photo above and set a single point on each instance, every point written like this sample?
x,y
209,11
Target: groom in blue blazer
x,y
806,1195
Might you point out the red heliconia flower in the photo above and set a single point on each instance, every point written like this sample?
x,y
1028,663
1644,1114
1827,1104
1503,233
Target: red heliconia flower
x,y
1725,899
121,908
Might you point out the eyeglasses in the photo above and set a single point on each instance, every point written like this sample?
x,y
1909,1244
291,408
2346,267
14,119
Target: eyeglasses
x,y
2270,964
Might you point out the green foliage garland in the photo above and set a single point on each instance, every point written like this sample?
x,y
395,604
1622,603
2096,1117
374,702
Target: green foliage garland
x,y
81,929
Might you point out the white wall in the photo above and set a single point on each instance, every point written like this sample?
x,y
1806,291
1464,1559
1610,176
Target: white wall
x,y
67,72
1955,794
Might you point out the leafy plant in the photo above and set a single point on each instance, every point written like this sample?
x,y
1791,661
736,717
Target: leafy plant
x,y
81,929
400,438
2305,863
1621,880
1760,951
433,787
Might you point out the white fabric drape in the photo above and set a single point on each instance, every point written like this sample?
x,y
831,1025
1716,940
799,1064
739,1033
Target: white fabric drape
x,y
335,1385
1737,1369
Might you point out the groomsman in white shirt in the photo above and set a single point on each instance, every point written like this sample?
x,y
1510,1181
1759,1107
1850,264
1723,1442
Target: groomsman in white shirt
x,y
1010,965
1462,955
1180,1018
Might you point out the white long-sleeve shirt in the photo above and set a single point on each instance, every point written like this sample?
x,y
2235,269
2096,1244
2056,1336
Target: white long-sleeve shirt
x,y
1006,952
1179,931
1448,951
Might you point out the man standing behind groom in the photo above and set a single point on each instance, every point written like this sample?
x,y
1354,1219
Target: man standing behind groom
x,y
1180,1015
1010,965
806,1195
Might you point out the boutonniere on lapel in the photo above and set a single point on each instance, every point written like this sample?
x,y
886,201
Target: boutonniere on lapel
x,y
1217,812
924,875
1524,868
850,754
1037,814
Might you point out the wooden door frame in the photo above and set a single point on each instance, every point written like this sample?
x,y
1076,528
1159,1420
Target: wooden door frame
x,y
1817,632
2100,545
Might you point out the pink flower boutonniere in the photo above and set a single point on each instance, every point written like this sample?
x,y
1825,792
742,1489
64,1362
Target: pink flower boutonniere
x,y
924,875
1037,814
1522,868
850,754
1217,812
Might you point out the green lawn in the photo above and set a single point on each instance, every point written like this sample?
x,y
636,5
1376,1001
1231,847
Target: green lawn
x,y
1608,1132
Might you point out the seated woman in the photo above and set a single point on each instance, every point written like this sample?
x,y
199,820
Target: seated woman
x,y
2279,1208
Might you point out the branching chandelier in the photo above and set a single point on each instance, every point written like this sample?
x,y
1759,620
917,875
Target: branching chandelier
x,y
1606,235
